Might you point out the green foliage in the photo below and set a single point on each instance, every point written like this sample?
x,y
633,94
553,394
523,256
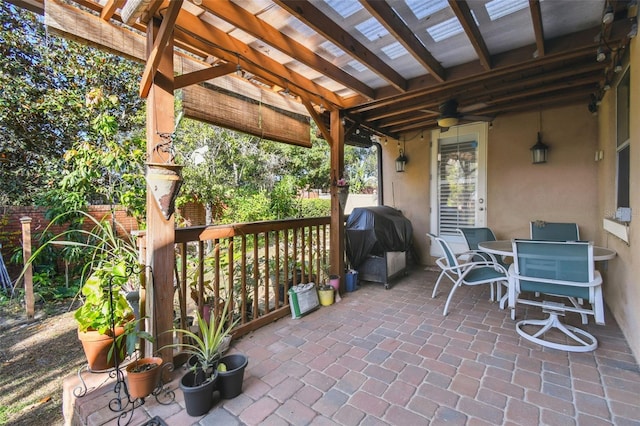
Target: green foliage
x,y
110,262
105,168
247,207
205,345
43,83
96,312
314,207
283,198
130,338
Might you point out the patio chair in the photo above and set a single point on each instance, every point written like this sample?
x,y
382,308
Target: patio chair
x,y
469,273
473,236
554,231
556,268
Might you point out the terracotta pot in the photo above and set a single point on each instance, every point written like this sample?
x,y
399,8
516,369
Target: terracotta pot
x,y
141,384
96,348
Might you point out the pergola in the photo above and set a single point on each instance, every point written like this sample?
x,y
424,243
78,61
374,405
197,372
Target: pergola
x,y
384,68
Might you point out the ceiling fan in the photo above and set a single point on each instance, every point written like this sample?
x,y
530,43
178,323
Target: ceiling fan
x,y
450,116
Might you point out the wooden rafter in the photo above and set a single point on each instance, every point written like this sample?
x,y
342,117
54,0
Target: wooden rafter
x,y
159,44
242,19
480,94
313,17
396,26
463,13
561,49
110,8
199,76
318,120
192,30
538,30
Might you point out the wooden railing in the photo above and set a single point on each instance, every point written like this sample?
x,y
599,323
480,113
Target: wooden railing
x,y
253,264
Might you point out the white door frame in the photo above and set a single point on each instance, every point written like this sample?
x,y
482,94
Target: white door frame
x,y
464,133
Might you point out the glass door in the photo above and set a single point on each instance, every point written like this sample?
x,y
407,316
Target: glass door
x,y
458,182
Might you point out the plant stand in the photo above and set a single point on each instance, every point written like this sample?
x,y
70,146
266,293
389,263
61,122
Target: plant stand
x,y
123,403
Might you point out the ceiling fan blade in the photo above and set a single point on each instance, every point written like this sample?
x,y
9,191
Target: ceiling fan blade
x,y
473,107
477,117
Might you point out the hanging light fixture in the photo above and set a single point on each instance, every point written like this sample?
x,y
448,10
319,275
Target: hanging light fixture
x,y
402,160
539,150
239,72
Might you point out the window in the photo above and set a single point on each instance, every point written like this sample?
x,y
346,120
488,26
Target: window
x,y
457,177
623,94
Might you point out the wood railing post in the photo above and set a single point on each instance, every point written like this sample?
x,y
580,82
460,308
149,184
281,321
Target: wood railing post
x,y
28,275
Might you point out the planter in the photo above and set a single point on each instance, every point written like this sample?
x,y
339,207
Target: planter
x,y
164,181
198,399
326,296
343,194
96,349
142,383
334,281
196,367
230,381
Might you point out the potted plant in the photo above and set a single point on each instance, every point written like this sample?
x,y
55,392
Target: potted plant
x,y
108,269
205,347
325,294
331,280
105,311
142,373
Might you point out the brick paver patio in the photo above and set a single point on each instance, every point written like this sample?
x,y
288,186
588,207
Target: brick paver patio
x,y
390,357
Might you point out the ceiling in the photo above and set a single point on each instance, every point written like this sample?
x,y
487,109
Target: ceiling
x,y
389,65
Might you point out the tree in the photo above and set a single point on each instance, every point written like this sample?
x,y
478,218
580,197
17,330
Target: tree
x,y
106,167
43,83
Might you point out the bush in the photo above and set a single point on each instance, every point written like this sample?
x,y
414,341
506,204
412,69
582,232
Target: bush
x,y
314,207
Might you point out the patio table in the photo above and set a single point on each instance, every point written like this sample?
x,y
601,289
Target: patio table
x,y
505,248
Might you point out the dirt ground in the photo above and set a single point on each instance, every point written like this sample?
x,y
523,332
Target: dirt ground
x,y
35,357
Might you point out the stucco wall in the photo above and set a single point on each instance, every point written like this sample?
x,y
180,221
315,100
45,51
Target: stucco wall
x,y
622,277
571,187
561,190
409,191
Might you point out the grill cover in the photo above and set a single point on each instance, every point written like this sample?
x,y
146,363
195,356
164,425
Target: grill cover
x,y
374,231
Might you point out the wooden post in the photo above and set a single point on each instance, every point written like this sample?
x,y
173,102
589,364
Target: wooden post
x,y
160,232
28,275
336,253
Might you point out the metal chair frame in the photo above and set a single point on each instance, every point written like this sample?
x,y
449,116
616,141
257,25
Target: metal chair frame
x,y
469,273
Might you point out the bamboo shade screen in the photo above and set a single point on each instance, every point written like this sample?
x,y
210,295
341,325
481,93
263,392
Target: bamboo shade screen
x,y
232,110
269,115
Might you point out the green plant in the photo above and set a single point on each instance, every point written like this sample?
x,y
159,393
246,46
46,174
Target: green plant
x,y
205,345
130,338
98,312
109,268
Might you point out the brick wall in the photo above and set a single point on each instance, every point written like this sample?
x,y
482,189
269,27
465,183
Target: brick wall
x,y
11,228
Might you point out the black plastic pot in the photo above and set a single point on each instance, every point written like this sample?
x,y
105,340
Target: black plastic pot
x,y
198,399
230,381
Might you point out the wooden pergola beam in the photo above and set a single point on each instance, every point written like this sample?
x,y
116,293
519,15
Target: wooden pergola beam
x,y
110,8
395,25
159,45
193,30
199,76
536,20
313,17
463,13
239,17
